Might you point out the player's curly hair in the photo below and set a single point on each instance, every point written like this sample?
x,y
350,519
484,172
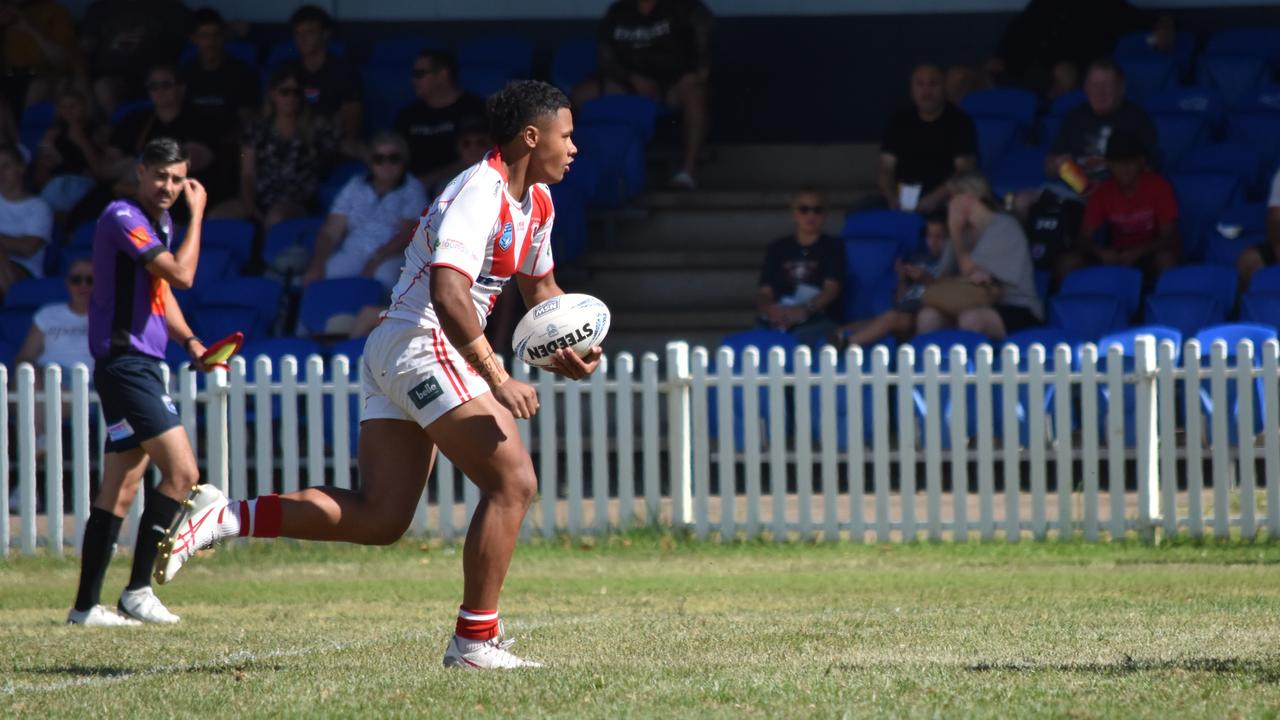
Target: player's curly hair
x,y
520,104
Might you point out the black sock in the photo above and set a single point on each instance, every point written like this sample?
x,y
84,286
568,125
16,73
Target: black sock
x,y
157,515
100,534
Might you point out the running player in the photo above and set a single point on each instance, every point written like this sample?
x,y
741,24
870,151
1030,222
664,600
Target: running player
x,y
431,380
132,314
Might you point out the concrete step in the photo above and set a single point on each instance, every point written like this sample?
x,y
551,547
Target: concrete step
x,y
711,229
643,259
675,289
787,167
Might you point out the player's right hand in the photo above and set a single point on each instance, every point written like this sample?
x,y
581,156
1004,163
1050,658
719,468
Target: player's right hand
x,y
520,398
195,195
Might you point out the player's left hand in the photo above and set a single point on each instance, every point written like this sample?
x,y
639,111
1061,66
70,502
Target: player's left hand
x,y
566,363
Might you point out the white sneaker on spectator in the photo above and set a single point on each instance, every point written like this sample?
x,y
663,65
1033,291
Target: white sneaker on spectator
x,y
142,604
682,181
99,616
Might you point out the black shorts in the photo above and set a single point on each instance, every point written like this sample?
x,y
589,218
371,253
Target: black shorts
x,y
134,401
1016,317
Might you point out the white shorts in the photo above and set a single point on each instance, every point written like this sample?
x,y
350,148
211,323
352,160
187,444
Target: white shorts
x,y
414,373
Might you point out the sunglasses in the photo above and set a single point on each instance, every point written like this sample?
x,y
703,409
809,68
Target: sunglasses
x,y
79,279
287,91
160,85
381,158
810,209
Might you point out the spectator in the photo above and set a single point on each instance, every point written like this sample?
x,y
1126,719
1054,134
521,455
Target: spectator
x,y
1266,253
59,332
914,276
284,155
802,276
660,49
372,219
471,142
329,83
1044,46
430,122
219,86
40,47
26,223
169,117
1086,128
1138,209
70,156
124,38
991,252
924,145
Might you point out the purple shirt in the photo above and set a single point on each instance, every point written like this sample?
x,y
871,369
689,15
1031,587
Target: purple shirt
x,y
127,307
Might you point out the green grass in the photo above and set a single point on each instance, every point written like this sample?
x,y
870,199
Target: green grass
x,y
651,626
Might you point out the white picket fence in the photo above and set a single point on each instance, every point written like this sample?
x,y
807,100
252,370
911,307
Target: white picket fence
x,y
637,445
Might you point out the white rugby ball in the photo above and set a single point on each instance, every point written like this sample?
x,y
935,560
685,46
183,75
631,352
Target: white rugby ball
x,y
572,320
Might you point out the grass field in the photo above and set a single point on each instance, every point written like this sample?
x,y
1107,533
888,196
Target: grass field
x,y
651,626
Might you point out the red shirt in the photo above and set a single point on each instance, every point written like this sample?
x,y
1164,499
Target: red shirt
x,y
1132,221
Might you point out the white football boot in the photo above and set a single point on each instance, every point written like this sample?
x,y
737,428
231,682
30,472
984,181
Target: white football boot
x,y
99,616
489,654
142,604
204,520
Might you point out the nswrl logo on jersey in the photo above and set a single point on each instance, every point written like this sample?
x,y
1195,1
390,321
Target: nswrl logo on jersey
x,y
508,233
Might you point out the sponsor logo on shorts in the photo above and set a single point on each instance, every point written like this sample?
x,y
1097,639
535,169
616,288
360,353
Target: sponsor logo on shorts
x,y
168,402
508,233
546,307
119,431
573,337
425,392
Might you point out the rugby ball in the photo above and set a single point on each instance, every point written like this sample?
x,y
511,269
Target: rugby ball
x,y
572,320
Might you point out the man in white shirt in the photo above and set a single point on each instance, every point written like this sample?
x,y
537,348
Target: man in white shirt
x,y
371,220
26,222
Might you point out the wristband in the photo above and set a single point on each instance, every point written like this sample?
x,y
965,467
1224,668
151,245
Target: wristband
x,y
480,356
186,344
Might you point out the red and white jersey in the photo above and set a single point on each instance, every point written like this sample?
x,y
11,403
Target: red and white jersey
x,y
478,229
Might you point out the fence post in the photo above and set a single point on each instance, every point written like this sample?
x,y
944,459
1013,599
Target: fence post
x,y
680,443
27,457
4,461
216,418
79,451
1147,396
53,457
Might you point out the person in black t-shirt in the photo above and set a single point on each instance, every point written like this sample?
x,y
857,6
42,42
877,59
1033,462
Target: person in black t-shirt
x,y
925,145
660,49
329,83
1087,127
430,123
803,276
220,87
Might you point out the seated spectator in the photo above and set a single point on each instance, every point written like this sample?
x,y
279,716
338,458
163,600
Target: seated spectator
x,y
914,276
803,276
1138,209
430,122
372,219
924,145
170,117
329,83
471,142
26,223
124,38
960,80
1086,128
41,48
991,253
1266,253
59,332
284,155
660,49
70,156
219,86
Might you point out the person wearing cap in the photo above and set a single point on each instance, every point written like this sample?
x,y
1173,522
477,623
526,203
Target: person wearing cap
x,y
1138,210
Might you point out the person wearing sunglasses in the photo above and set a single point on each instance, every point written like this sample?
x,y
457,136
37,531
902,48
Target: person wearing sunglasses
x,y
430,123
59,333
803,276
371,220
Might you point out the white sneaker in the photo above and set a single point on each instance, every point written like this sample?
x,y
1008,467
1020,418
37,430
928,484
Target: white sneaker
x,y
142,604
484,654
202,522
99,616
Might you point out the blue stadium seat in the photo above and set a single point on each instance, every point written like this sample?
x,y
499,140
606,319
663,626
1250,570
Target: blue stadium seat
x,y
1217,283
1138,44
34,292
762,340
387,89
995,136
484,80
869,418
1235,78
1261,42
1123,283
234,236
1187,312
569,234
1266,99
1262,308
215,321
1087,315
215,265
1204,102
583,178
1238,160
619,157
82,236
635,111
1226,251
324,299
353,348
127,108
513,53
1257,129
1178,133
1201,199
574,61
905,227
870,282
14,324
1126,339
1007,102
261,295
288,234
1148,76
945,340
1049,338
1266,280
1232,334
1021,168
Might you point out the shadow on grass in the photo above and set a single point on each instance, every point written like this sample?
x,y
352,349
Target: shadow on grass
x,y
1265,671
